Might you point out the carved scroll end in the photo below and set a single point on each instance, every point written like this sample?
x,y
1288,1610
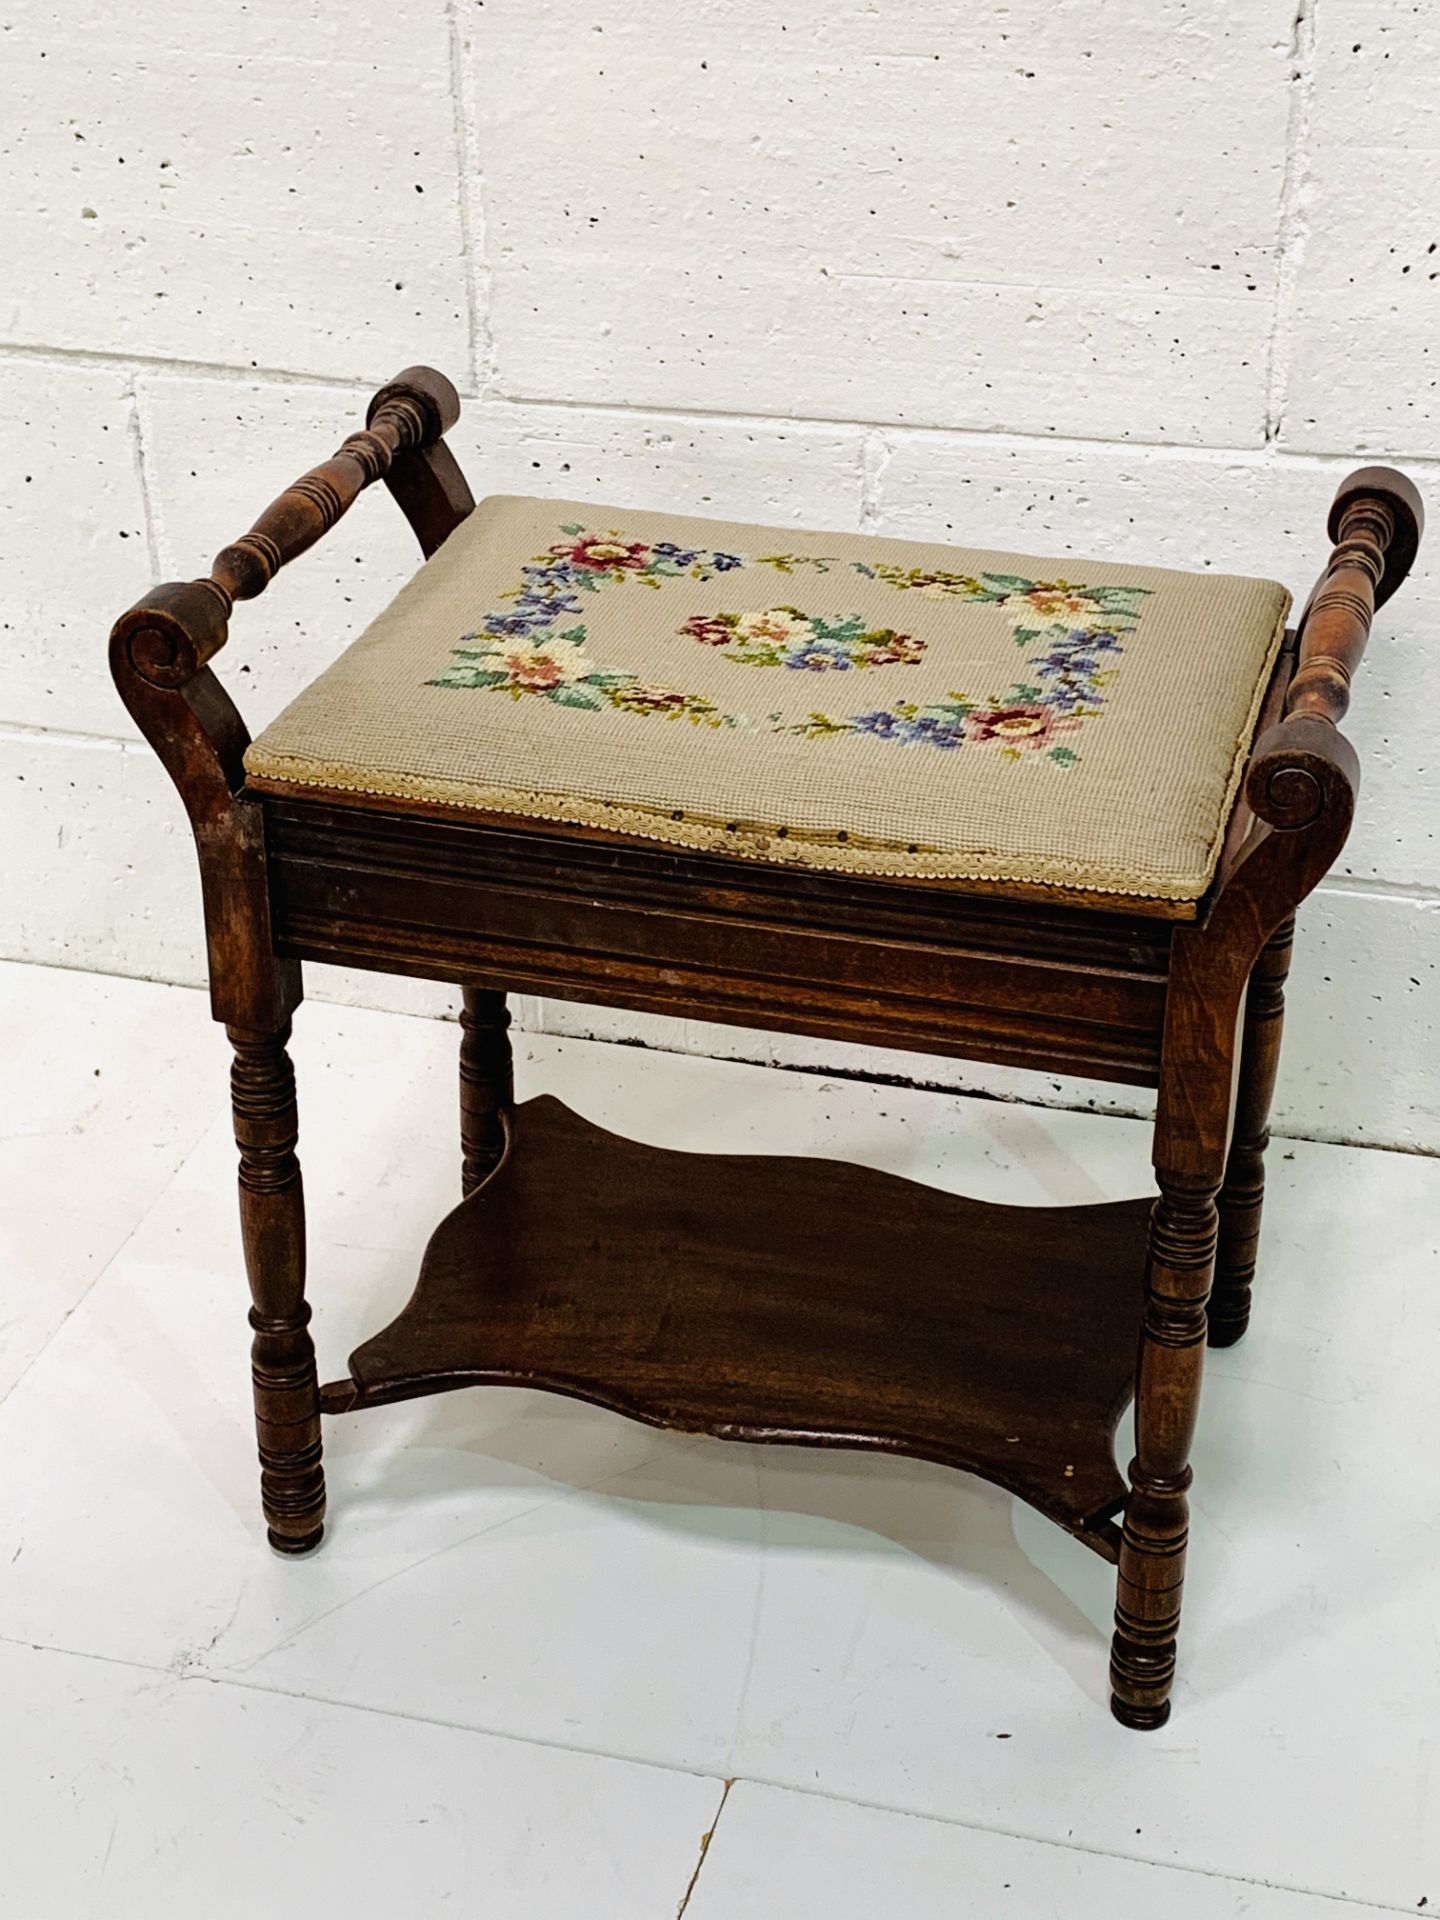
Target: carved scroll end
x,y
167,637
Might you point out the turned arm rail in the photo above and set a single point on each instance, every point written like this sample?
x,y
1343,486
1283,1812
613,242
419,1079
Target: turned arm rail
x,y
170,634
160,652
1376,522
1302,765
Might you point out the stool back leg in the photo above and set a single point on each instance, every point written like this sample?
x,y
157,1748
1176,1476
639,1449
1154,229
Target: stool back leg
x,y
1243,1193
487,1090
272,1221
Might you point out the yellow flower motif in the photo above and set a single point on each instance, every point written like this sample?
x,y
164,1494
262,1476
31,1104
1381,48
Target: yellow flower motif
x,y
778,625
1062,604
555,662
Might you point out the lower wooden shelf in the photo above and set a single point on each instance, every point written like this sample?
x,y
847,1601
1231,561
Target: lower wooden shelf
x,y
781,1299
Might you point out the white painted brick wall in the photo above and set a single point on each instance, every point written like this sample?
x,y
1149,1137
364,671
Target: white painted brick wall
x,y
1138,280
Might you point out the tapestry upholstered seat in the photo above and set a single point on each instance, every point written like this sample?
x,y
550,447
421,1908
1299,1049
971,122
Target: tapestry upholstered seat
x,y
827,700
1053,814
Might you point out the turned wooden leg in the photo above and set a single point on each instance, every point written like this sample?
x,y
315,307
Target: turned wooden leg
x,y
272,1221
487,1090
1167,1398
1243,1193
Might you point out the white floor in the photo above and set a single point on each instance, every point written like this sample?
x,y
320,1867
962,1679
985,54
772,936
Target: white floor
x,y
544,1652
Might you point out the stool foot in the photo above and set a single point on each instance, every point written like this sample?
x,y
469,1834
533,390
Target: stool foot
x,y
294,1548
1230,1332
1142,1719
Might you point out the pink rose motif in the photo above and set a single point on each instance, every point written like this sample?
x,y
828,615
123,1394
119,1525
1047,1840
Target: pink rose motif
x,y
537,671
1023,727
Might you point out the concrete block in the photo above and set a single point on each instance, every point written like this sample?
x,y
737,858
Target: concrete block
x,y
966,218
73,551
1363,353
259,186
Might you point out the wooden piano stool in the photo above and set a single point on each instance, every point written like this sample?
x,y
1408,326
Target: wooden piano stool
x,y
1056,814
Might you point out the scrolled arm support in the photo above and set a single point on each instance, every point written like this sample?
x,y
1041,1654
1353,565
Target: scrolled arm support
x,y
160,649
1304,775
177,628
1303,768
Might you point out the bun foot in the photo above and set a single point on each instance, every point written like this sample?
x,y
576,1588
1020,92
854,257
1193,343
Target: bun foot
x,y
295,1544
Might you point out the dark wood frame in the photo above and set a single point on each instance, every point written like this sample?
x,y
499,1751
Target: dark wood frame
x,y
1188,1001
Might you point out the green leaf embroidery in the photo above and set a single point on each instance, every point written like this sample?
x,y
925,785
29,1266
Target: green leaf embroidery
x,y
578,694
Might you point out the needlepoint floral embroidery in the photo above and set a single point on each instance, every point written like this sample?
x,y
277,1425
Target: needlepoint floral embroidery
x,y
1072,635
786,637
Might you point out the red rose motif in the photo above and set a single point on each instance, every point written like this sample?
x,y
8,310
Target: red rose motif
x,y
602,555
711,630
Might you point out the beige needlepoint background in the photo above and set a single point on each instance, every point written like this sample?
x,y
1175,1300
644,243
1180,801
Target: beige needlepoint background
x,y
823,699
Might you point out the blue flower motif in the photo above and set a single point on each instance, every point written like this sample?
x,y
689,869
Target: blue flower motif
x,y
681,556
516,626
556,572
934,731
818,656
723,562
1063,664
924,729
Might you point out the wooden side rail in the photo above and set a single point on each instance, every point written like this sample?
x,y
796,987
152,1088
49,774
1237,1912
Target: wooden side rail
x,y
1300,790
178,627
1376,522
160,650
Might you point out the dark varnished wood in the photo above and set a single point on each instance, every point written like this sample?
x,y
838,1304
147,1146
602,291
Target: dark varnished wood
x,y
1300,792
635,925
487,1085
1376,523
432,493
272,1221
771,1299
1156,1527
159,652
774,1299
1089,901
1243,1193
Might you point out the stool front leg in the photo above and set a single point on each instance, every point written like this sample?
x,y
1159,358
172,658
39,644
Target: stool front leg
x,y
1167,1401
272,1220
487,1088
1300,792
1243,1194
